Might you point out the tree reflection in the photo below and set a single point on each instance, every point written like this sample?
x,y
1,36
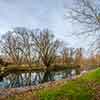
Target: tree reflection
x,y
20,79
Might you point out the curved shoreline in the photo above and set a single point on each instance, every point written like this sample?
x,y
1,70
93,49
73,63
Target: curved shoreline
x,y
15,91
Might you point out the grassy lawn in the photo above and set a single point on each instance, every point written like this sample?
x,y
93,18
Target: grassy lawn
x,y
86,87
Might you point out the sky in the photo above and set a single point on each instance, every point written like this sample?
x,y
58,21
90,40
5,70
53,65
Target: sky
x,y
39,14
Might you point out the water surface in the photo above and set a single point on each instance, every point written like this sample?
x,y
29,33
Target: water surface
x,y
21,79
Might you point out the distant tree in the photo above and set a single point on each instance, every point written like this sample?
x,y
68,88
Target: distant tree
x,y
79,57
71,55
92,59
17,45
65,55
10,47
97,56
26,46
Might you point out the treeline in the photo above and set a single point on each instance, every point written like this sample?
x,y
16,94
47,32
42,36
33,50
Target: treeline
x,y
24,46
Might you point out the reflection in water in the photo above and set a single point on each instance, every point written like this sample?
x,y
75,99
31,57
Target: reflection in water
x,y
20,79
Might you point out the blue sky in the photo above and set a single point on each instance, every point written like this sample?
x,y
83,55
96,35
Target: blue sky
x,y
38,14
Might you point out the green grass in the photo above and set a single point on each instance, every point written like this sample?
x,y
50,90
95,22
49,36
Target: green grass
x,y
93,75
79,89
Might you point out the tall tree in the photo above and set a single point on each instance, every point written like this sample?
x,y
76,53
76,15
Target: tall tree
x,y
87,13
25,41
46,46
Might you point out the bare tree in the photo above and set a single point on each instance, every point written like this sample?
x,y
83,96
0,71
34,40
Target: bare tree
x,y
97,57
17,44
79,57
65,55
25,41
87,13
10,46
46,46
71,55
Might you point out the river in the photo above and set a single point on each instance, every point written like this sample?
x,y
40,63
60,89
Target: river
x,y
22,79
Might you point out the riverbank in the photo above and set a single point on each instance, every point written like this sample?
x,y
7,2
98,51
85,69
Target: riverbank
x,y
83,87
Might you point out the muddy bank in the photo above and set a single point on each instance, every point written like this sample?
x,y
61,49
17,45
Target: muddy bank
x,y
4,93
